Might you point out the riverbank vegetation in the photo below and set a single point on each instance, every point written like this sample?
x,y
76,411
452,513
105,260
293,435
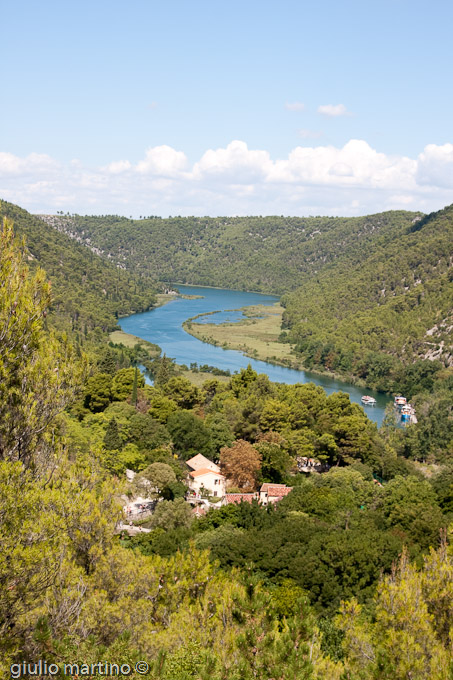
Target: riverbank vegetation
x,y
257,336
131,341
304,590
366,297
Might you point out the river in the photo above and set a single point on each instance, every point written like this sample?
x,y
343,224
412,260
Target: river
x,y
163,326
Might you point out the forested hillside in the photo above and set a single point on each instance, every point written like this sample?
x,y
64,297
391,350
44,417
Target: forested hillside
x,y
389,309
87,291
270,254
365,297
304,590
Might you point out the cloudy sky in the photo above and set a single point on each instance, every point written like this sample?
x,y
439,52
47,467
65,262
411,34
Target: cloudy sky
x,y
194,107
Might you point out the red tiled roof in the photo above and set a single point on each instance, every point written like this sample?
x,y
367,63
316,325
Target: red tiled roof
x,y
266,485
278,490
199,462
239,497
204,471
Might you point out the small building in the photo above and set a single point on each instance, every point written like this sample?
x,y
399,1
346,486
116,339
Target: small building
x,y
207,481
200,462
240,498
271,493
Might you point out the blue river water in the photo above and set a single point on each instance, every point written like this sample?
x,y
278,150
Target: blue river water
x,y
163,326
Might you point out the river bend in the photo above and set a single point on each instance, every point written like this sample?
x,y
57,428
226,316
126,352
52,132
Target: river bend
x,y
163,326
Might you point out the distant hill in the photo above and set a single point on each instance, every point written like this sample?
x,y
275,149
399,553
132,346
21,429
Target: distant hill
x,y
395,302
88,291
270,254
365,296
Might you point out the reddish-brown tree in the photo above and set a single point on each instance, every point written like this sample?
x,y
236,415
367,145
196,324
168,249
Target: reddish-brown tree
x,y
240,463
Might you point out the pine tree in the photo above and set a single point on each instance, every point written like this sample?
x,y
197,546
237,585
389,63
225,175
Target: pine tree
x,y
112,439
273,644
39,373
107,363
410,636
163,374
134,388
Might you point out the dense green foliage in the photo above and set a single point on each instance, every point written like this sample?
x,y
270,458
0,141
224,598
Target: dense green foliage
x,y
365,297
243,593
334,534
370,315
268,254
410,634
69,592
37,378
87,291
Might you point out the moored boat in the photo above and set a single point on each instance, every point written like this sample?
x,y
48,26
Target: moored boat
x,y
408,414
368,401
405,413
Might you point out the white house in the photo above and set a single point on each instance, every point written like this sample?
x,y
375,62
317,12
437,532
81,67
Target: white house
x,y
208,481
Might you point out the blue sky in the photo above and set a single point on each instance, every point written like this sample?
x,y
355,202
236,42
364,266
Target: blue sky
x,y
226,108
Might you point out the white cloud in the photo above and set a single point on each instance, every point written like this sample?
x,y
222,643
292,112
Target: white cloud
x,y
236,164
34,162
341,170
233,180
354,165
333,110
295,106
435,166
401,199
116,167
162,160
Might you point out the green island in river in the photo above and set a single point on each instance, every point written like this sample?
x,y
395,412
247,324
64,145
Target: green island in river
x,y
256,336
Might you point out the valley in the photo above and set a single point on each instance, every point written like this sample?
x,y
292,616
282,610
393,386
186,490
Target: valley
x,y
352,489
226,341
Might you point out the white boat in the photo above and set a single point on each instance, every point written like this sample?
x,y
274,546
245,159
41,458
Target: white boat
x,y
368,401
400,401
408,415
